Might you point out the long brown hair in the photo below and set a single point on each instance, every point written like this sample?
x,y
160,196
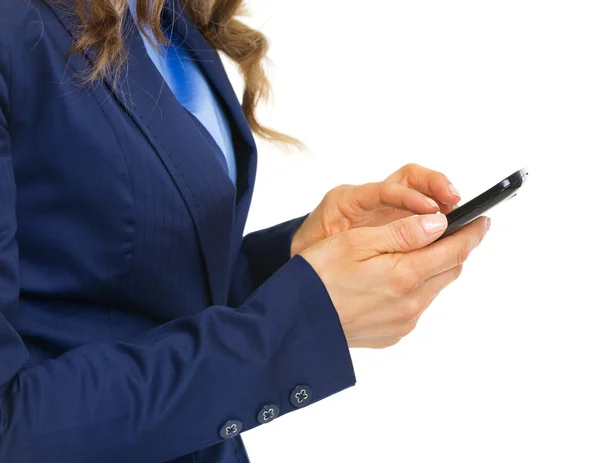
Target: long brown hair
x,y
102,33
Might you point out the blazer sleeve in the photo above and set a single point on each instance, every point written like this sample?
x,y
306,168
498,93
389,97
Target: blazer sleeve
x,y
262,253
168,392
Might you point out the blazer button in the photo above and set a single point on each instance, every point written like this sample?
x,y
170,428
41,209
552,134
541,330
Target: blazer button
x,y
301,396
268,413
231,429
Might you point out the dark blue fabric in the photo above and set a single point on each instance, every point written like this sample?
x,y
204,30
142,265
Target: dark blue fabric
x,y
134,317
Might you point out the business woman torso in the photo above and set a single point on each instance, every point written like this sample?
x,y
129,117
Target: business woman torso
x,y
136,325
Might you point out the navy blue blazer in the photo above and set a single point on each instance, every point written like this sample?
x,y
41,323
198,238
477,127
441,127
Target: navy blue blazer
x,y
136,323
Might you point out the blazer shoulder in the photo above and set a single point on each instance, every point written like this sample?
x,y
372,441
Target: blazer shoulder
x,y
21,21
22,28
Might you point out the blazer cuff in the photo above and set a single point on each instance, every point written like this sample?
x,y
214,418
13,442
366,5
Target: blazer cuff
x,y
269,249
314,361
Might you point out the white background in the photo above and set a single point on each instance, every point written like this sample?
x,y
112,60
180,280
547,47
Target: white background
x,y
505,365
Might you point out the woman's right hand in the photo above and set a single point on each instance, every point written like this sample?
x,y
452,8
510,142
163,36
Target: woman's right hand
x,y
381,279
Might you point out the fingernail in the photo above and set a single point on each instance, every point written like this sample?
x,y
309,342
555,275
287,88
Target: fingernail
x,y
488,224
434,223
454,207
453,190
432,203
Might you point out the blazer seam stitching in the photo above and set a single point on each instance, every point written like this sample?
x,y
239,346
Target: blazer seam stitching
x,y
176,168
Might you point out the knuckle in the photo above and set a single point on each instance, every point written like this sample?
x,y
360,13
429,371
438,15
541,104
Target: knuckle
x,y
402,317
387,189
475,237
404,330
402,234
405,171
410,328
408,312
407,281
336,192
457,271
343,187
451,275
460,254
413,309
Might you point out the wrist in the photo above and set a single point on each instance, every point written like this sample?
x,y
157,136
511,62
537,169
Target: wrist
x,y
297,245
304,236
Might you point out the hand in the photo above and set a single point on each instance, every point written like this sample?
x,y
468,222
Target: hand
x,y
381,279
411,190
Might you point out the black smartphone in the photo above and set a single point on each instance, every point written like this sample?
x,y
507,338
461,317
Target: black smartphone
x,y
468,212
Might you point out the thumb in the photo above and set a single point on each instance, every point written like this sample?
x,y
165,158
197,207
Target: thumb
x,y
409,234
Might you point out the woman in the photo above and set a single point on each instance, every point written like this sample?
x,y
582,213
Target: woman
x,y
136,325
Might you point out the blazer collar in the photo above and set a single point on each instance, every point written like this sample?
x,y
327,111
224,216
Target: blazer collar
x,y
186,152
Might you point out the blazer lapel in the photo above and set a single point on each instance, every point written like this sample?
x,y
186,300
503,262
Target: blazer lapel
x,y
186,153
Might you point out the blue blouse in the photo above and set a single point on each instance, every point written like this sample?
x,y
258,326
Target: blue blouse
x,y
191,88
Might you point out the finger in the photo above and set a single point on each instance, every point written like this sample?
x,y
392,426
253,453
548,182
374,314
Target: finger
x,y
447,208
427,181
450,251
431,289
403,235
404,318
414,304
373,196
381,217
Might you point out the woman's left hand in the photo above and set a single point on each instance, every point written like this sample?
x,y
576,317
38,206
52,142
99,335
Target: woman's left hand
x,y
411,190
